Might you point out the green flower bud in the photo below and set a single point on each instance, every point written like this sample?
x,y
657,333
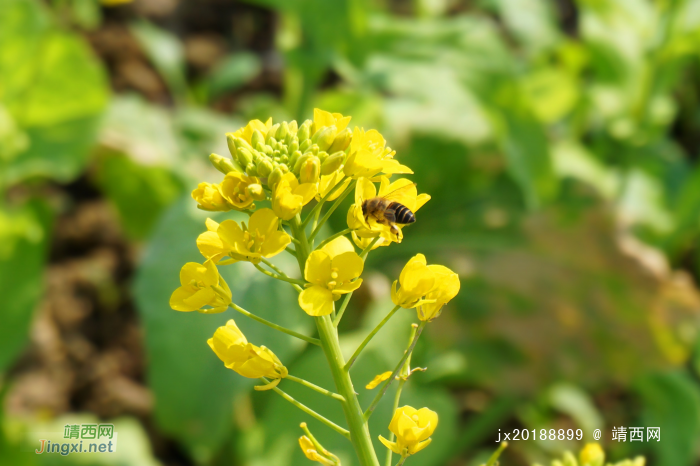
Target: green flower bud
x,y
284,158
272,142
341,141
295,156
332,163
305,145
240,142
272,132
224,164
310,170
322,155
264,166
245,157
325,137
291,147
304,131
251,170
274,177
301,161
267,149
293,127
257,192
314,149
283,131
257,138
284,168
231,142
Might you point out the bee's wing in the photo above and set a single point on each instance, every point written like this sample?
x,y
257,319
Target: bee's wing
x,y
402,194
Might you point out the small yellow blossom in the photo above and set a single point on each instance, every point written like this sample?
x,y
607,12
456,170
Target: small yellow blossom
x,y
323,118
311,452
378,379
240,190
246,133
208,197
592,455
446,287
368,156
251,361
201,285
328,182
261,238
330,272
412,428
416,279
290,196
370,227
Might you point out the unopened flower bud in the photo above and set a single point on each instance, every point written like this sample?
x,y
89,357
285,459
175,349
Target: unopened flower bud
x,y
314,149
251,170
341,141
304,131
245,157
592,455
294,145
293,159
282,131
257,192
322,155
325,137
274,178
310,170
272,133
284,168
293,127
257,138
264,166
231,142
332,163
224,164
300,161
305,145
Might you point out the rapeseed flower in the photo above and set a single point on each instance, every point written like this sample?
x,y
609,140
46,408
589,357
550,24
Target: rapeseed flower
x,y
251,361
201,285
290,196
330,272
240,190
246,133
324,457
416,280
369,156
323,118
592,455
399,191
413,428
261,238
446,287
209,197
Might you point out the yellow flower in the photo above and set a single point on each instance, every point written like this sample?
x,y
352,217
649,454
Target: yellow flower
x,y
312,453
446,288
201,285
412,428
251,361
290,196
328,182
370,228
368,156
323,118
592,455
240,190
416,279
330,271
261,238
378,379
246,132
208,197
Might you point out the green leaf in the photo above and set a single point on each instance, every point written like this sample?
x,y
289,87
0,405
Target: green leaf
x,y
194,392
23,249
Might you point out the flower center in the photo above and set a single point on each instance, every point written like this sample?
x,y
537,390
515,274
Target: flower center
x,y
416,418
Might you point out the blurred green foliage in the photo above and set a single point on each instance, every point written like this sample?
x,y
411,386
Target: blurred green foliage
x,y
561,157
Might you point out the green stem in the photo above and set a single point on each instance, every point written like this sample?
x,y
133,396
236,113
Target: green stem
x,y
334,236
318,206
369,337
341,311
309,411
405,370
313,341
384,388
296,283
403,460
369,247
321,390
359,431
335,205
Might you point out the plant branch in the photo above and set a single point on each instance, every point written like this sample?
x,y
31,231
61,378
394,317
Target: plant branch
x,y
313,341
369,338
344,432
296,283
319,205
334,236
386,384
335,205
321,390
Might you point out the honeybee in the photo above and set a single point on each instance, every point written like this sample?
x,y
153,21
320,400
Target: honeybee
x,y
387,211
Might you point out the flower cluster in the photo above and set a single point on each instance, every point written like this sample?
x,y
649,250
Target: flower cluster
x,y
275,170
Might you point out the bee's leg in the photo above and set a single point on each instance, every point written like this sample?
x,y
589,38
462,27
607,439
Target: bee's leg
x,y
394,230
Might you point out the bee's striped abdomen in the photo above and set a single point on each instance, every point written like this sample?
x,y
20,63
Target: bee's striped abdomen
x,y
402,213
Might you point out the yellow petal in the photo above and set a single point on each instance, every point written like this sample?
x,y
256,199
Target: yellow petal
x,y
316,301
404,410
390,445
347,287
210,245
348,264
264,220
275,244
211,274
269,386
364,189
230,233
378,379
191,271
200,299
211,225
412,450
177,299
307,191
338,246
421,200
318,268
